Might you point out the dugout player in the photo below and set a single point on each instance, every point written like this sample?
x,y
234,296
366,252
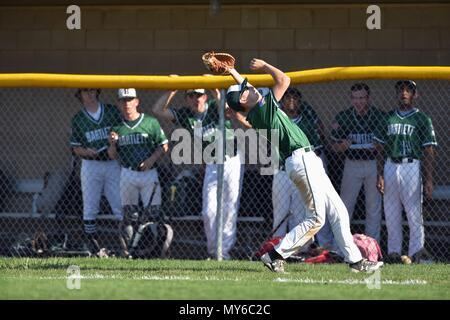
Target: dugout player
x,y
99,174
304,168
352,134
138,142
201,112
409,141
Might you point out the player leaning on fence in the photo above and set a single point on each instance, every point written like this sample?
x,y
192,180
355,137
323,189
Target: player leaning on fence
x,y
409,142
303,166
99,174
138,142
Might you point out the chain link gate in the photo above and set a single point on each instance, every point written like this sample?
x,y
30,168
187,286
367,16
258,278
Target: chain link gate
x,y
41,207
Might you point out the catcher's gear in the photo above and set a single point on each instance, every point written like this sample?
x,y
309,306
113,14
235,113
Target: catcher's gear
x,y
218,63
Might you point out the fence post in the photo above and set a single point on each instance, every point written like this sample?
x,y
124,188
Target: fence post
x,y
220,171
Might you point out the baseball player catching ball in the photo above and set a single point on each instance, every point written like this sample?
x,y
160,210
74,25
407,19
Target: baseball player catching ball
x,y
286,199
138,142
409,141
202,113
99,174
304,168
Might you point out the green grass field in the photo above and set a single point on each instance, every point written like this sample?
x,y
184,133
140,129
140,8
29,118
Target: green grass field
x,y
236,280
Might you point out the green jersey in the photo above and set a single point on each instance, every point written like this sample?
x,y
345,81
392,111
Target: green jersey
x,y
359,130
138,140
90,133
205,125
267,115
307,111
308,126
405,135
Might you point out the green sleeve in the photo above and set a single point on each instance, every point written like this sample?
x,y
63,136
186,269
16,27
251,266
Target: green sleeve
x,y
76,137
428,136
158,133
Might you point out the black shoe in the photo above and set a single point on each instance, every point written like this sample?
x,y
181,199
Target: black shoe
x,y
276,265
365,266
422,257
394,258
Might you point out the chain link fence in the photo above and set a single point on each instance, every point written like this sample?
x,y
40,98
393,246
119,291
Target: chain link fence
x,y
41,204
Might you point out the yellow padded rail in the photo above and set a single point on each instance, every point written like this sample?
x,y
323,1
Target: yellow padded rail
x,y
47,80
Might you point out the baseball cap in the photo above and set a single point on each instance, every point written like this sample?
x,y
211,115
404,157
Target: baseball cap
x,y
127,93
200,91
406,83
234,93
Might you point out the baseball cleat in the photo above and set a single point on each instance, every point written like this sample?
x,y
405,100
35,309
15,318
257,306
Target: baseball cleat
x,y
365,266
276,265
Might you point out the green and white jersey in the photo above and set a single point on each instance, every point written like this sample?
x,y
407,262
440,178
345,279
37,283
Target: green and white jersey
x,y
406,135
138,140
204,125
360,130
90,133
308,126
267,115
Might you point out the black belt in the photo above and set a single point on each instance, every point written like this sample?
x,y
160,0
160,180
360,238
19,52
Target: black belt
x,y
402,160
134,168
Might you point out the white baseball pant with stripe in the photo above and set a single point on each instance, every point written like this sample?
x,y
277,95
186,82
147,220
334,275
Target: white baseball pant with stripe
x,y
285,200
305,169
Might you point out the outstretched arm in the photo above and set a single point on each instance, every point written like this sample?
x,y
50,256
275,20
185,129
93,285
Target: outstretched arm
x,y
282,81
160,108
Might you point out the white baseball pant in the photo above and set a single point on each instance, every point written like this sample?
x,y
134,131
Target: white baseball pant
x,y
232,184
285,200
403,187
356,173
139,183
98,177
322,201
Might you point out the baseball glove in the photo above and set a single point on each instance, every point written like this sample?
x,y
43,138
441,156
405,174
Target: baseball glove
x,y
218,63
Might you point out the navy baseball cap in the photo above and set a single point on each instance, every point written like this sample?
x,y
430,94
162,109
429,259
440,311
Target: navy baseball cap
x,y
234,95
406,83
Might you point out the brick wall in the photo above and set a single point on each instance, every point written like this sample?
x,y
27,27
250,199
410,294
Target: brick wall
x,y
151,40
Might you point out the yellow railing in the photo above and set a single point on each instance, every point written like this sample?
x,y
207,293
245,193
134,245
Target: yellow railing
x,y
44,80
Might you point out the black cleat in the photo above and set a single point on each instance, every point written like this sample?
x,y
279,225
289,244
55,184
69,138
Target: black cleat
x,y
365,266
